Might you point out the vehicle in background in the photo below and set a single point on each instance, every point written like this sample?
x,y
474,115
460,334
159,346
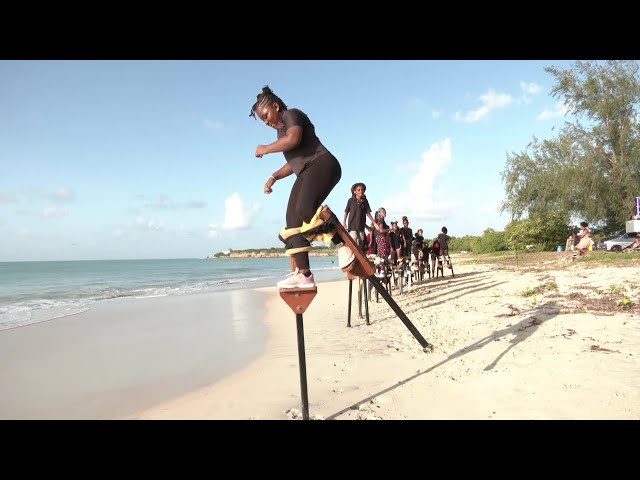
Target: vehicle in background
x,y
617,234
620,242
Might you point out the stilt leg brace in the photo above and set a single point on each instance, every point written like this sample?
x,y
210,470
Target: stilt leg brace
x,y
294,241
317,229
299,239
292,251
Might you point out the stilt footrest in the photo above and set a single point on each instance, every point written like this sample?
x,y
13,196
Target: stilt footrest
x,y
298,299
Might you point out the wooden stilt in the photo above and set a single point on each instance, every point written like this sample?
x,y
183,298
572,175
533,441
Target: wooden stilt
x,y
299,300
364,269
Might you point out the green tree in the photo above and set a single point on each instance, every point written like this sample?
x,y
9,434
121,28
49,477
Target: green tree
x,y
543,232
591,170
491,241
466,243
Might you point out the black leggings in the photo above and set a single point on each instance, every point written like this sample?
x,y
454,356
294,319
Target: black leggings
x,y
311,188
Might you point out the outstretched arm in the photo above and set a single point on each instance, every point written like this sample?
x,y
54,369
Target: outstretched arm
x,y
283,172
288,142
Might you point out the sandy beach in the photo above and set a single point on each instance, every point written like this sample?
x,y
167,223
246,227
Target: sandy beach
x,y
550,340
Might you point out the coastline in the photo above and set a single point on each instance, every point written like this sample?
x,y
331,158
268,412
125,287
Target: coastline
x,y
509,344
498,354
267,254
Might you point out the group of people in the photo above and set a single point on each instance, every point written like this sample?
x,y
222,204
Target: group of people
x,y
317,173
390,243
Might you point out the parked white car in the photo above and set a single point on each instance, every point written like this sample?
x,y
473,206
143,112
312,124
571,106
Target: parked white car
x,y
620,242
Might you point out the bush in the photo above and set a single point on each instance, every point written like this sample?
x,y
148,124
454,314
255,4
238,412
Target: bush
x,y
466,243
491,241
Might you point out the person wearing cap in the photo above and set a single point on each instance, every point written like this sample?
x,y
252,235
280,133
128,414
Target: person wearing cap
x,y
356,213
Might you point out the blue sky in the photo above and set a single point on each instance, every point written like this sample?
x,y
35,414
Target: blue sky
x,y
155,159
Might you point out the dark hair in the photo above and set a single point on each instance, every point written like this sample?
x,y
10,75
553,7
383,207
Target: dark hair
x,y
267,96
444,230
584,224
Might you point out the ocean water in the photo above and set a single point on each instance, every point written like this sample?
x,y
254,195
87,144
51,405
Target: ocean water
x,y
33,292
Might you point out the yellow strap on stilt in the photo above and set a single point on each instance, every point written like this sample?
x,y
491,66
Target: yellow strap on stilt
x,y
293,251
307,232
289,232
315,222
321,237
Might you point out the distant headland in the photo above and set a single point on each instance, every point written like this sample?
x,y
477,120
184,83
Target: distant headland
x,y
272,252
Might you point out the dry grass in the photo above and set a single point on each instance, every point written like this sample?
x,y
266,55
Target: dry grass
x,y
535,261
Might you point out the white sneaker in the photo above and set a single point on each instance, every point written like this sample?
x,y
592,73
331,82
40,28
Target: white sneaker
x,y
296,279
345,256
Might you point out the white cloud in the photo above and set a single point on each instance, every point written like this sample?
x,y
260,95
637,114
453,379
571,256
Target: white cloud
x,y
54,212
557,111
419,200
237,214
530,88
62,195
196,204
490,101
436,114
213,124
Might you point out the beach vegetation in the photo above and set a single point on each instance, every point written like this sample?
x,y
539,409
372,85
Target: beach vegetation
x,y
591,169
